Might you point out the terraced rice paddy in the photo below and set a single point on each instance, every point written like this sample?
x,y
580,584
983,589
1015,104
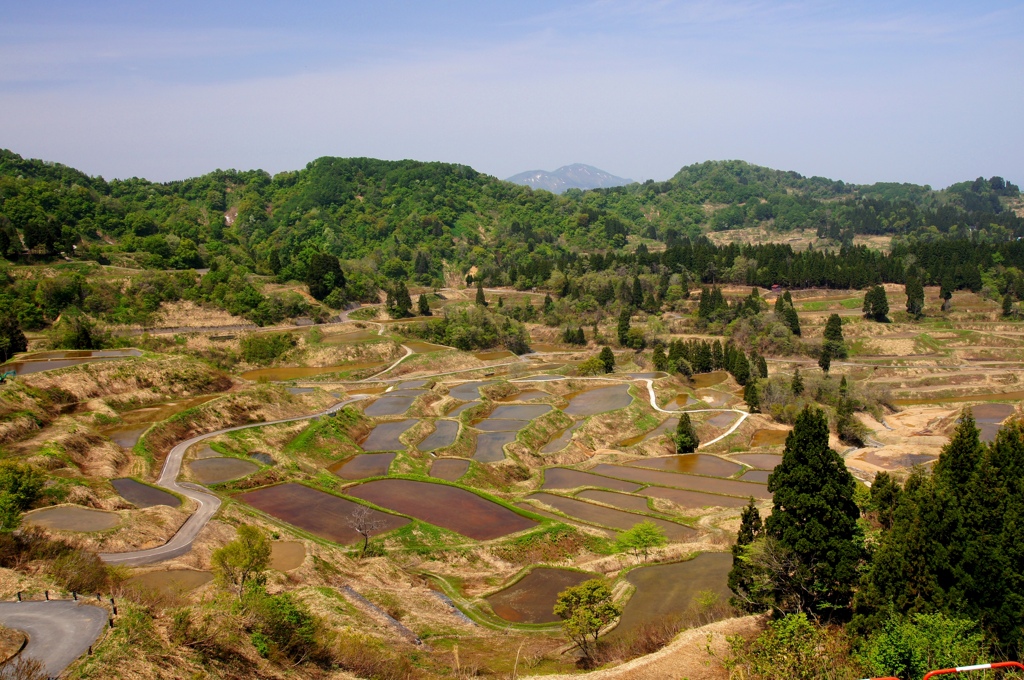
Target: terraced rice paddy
x,y
525,395
564,478
490,446
445,506
221,469
532,598
598,400
170,581
363,465
493,356
319,513
519,411
385,437
498,425
615,519
462,407
691,463
287,555
703,380
682,481
444,434
297,372
391,404
761,461
618,500
421,347
759,476
768,438
693,499
667,427
143,495
48,361
989,417
723,420
897,462
666,590
562,440
468,391
73,518
449,469
126,437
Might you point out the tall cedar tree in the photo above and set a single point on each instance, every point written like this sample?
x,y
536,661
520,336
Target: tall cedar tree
x,y
607,358
686,436
834,341
424,305
481,299
814,517
12,339
741,575
623,327
797,385
876,304
324,275
915,296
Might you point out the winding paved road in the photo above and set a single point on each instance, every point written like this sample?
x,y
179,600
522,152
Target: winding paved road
x,y
182,541
59,631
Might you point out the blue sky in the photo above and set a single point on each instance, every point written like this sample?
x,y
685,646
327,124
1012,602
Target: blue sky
x,y
925,92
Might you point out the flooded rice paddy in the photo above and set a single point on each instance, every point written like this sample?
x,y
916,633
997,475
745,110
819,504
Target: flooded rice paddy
x,y
363,465
989,417
48,361
694,499
519,411
759,476
897,462
385,437
449,469
391,404
463,407
222,469
317,512
666,590
143,495
445,506
493,425
691,463
526,395
598,400
170,581
618,500
125,437
444,434
350,338
73,518
615,519
761,461
532,598
493,356
490,446
768,438
287,555
297,372
420,347
564,478
683,481
562,440
469,391
723,420
704,380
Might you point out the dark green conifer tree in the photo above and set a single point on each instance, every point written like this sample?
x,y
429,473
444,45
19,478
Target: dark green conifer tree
x,y
797,385
686,436
607,357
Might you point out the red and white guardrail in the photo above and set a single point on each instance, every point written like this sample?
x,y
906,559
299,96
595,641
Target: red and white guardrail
x,y
965,669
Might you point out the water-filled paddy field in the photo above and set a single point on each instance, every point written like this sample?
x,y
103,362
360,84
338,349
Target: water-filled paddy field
x,y
989,417
897,462
564,478
73,518
761,461
449,469
598,400
463,407
616,519
490,446
170,581
391,404
223,469
317,512
445,506
525,395
444,434
287,555
670,589
704,380
562,440
759,476
142,495
532,598
500,425
385,437
48,361
694,499
363,465
768,438
667,427
690,463
298,372
619,500
468,391
682,481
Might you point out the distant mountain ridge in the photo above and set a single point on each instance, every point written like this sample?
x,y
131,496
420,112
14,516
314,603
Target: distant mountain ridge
x,y
575,176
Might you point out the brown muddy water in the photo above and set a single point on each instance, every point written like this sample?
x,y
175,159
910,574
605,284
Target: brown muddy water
x,y
759,476
673,479
421,347
564,478
449,469
684,400
297,372
525,395
761,461
694,499
490,446
598,400
125,437
667,427
385,437
616,519
532,598
317,512
143,495
493,356
73,518
363,465
350,338
134,423
618,500
48,361
562,440
703,380
391,405
445,506
690,463
444,434
666,590
989,418
170,581
219,470
287,555
768,438
468,391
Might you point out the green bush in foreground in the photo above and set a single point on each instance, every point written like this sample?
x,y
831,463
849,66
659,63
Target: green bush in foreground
x,y
265,348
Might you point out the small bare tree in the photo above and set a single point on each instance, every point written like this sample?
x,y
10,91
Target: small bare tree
x,y
364,523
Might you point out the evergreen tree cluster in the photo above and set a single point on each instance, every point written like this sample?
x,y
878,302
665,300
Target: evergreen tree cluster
x,y
574,336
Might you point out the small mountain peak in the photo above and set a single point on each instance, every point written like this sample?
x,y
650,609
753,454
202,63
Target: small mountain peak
x,y
574,176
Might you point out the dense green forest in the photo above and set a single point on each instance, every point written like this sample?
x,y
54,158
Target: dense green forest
x,y
429,224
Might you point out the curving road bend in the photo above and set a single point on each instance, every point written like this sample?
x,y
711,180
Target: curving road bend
x,y
59,631
208,503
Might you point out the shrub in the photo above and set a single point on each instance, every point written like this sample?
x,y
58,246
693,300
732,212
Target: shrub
x,y
266,347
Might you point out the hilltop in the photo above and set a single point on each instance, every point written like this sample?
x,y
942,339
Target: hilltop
x,y
575,176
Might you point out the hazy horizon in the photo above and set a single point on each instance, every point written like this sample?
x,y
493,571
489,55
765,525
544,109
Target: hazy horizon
x,y
877,92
